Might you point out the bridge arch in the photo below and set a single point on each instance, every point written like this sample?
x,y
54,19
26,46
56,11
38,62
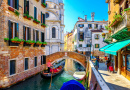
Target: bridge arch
x,y
80,58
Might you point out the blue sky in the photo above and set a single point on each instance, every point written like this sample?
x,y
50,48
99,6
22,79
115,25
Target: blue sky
x,y
79,8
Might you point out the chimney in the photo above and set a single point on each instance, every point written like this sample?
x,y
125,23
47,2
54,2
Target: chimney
x,y
85,18
92,16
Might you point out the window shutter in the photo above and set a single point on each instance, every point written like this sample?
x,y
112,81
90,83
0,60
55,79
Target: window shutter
x,y
29,34
33,34
83,36
26,63
35,62
16,30
43,1
41,37
34,12
44,59
41,17
79,35
28,6
38,35
44,18
24,32
10,31
41,60
17,4
8,2
24,6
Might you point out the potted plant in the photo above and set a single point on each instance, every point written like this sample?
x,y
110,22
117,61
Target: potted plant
x,y
109,31
44,5
28,42
36,21
44,25
127,10
11,9
33,42
103,34
25,16
22,41
39,43
15,40
29,17
44,43
17,13
6,39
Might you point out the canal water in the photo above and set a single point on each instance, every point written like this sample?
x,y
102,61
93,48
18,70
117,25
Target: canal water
x,y
38,83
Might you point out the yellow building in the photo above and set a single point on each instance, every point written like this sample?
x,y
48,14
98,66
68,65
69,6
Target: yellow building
x,y
119,26
65,42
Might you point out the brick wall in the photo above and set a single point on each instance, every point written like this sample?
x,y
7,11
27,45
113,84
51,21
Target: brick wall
x,y
19,52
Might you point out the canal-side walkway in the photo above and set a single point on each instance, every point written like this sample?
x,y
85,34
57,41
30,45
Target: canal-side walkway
x,y
113,80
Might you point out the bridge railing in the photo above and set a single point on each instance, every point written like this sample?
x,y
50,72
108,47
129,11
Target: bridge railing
x,y
96,82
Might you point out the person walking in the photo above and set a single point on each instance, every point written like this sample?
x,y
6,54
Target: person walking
x,y
49,65
97,63
108,63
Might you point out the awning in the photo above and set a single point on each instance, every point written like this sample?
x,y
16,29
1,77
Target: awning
x,y
117,46
105,47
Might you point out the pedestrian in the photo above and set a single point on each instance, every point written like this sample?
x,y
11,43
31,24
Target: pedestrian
x,y
108,63
49,65
97,63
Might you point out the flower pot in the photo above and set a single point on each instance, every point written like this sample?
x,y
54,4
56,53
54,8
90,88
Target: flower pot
x,y
11,9
32,43
29,18
43,26
43,5
21,42
25,16
13,41
37,22
109,31
27,43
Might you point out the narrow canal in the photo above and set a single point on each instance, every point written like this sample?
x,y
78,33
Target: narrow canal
x,y
38,83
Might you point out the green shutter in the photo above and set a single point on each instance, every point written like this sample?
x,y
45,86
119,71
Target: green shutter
x,y
24,32
17,4
10,31
8,2
34,12
29,34
24,6
16,30
28,7
33,34
41,17
44,18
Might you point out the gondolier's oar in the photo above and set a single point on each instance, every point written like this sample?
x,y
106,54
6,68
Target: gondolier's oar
x,y
51,78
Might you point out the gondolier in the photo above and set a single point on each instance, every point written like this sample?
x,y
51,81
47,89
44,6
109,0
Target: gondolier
x,y
49,65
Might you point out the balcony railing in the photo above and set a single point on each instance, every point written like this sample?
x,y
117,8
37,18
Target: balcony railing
x,y
124,23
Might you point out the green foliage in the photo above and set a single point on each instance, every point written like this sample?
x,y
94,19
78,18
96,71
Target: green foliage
x,y
107,27
16,39
127,9
44,43
17,13
6,39
28,16
30,41
44,4
44,24
39,42
36,20
81,40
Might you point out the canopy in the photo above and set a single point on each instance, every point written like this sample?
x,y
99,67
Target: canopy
x,y
117,46
72,85
105,47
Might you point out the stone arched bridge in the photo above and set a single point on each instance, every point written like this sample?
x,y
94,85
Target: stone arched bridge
x,y
66,55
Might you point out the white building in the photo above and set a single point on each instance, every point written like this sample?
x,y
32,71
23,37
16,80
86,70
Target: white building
x,y
55,29
83,37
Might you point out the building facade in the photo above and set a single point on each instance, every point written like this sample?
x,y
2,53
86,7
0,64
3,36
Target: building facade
x,y
119,26
22,24
83,36
55,26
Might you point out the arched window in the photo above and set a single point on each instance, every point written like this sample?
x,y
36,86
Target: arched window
x,y
47,15
55,7
53,32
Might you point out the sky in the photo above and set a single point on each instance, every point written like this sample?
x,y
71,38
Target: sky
x,y
79,8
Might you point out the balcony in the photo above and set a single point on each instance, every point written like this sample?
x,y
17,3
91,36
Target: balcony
x,y
120,30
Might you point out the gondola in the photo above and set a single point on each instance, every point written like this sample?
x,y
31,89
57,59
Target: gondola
x,y
79,75
46,75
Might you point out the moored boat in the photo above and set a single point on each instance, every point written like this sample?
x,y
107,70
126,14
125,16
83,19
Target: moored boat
x,y
79,75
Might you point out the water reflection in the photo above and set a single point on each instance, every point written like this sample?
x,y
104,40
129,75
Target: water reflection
x,y
38,83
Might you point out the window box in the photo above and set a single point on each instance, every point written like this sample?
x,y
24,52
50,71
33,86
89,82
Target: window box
x,y
36,21
16,40
96,38
44,43
30,42
81,40
43,4
16,13
38,43
27,16
6,39
43,25
11,9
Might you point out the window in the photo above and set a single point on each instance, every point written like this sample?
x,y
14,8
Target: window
x,y
37,36
123,61
35,62
26,6
80,45
81,25
42,18
128,48
26,33
47,15
14,4
88,45
43,59
12,67
90,26
100,26
42,1
13,29
42,37
96,45
53,32
120,10
26,64
46,5
96,26
126,4
35,13
128,62
96,36
81,36
55,7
